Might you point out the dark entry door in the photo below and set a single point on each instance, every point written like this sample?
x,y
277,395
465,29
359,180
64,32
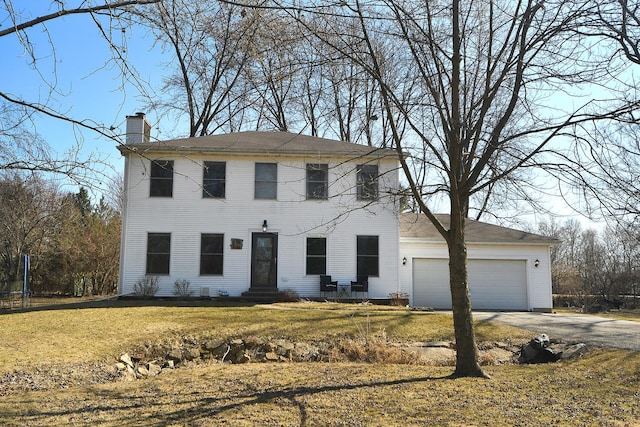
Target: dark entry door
x,y
264,260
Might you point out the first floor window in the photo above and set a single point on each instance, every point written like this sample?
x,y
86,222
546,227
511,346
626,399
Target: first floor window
x,y
161,178
367,256
211,254
316,255
158,253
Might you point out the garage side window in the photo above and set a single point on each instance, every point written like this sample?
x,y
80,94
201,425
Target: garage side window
x,y
161,183
367,256
158,253
316,255
211,254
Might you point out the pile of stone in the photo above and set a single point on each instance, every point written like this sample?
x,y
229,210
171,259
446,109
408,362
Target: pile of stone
x,y
541,349
152,360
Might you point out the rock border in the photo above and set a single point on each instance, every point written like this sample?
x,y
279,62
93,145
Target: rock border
x,y
152,359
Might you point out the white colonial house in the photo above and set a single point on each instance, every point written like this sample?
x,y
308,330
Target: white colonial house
x,y
257,211
260,212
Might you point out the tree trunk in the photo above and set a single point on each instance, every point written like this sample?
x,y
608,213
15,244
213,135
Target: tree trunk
x,y
466,350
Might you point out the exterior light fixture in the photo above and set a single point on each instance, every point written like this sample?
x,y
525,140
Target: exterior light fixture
x,y
404,261
536,263
264,225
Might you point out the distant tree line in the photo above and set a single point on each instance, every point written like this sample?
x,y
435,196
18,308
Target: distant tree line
x,y
73,243
589,264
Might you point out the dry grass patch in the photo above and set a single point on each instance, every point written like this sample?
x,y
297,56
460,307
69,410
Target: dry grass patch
x,y
601,389
64,349
107,329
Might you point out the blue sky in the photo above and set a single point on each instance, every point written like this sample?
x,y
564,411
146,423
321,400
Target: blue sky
x,y
88,86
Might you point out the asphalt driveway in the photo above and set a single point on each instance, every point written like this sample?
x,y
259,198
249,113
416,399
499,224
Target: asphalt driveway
x,y
592,330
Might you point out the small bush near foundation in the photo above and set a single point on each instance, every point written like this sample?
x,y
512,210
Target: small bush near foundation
x,y
146,286
289,295
181,288
399,299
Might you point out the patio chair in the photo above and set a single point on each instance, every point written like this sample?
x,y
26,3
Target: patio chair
x,y
327,285
360,285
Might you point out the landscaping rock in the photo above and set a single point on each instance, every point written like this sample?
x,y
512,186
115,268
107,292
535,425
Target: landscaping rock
x,y
153,369
242,358
253,342
221,350
175,355
438,344
142,371
150,361
212,345
271,356
574,351
192,354
543,350
126,359
540,342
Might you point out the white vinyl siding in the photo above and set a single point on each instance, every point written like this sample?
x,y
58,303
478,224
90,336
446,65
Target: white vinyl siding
x,y
188,215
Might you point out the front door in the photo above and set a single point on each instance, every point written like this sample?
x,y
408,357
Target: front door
x,y
264,260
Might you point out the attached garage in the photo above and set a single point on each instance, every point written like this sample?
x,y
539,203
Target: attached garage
x,y
508,269
493,284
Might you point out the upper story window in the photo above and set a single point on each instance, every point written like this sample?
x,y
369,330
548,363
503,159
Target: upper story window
x,y
317,181
266,181
158,253
367,182
161,178
316,255
367,256
211,254
213,179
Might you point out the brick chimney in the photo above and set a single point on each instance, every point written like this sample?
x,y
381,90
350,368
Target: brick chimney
x,y
138,129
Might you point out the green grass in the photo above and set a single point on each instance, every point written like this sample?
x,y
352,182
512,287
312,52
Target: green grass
x,y
599,389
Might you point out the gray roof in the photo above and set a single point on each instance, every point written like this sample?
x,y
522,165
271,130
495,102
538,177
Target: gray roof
x,y
261,143
418,226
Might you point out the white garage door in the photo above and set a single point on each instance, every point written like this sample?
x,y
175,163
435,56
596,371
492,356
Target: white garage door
x,y
493,284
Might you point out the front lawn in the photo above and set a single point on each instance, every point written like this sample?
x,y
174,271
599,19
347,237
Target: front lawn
x,y
38,349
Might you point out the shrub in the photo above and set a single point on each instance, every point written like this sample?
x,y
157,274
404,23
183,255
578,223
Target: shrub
x,y
399,298
146,286
288,295
181,288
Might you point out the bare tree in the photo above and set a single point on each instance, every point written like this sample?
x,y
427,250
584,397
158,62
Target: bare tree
x,y
212,44
605,159
473,100
589,264
619,22
21,148
30,214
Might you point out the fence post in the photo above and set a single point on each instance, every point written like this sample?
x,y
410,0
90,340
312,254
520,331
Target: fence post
x,y
27,262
